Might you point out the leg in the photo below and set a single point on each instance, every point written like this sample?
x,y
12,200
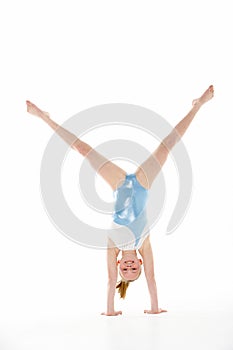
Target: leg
x,y
111,173
148,170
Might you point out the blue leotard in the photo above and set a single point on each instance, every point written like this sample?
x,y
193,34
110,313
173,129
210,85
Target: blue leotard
x,y
130,210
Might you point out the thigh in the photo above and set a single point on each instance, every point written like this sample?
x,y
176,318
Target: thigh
x,y
111,173
148,170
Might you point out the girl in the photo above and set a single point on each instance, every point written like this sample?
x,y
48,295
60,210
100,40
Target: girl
x,y
131,195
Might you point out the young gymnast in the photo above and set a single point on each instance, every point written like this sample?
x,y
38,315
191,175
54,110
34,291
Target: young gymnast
x,y
131,191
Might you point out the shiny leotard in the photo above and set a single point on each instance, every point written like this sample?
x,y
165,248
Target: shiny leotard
x,y
130,211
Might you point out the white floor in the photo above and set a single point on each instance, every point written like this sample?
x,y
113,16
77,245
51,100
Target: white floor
x,y
173,330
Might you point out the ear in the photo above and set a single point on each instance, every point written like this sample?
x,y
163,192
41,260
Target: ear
x,y
140,260
118,262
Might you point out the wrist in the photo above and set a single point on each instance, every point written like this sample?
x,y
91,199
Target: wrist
x,y
155,309
154,305
110,310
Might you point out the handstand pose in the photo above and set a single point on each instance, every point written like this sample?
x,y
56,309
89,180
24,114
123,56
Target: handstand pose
x,y
131,194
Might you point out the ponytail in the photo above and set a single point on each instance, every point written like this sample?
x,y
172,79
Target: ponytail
x,y
123,285
122,288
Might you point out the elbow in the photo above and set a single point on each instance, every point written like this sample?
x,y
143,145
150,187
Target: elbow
x,y
112,282
112,279
150,278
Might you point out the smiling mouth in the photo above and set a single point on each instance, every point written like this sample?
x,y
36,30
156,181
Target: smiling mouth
x,y
129,261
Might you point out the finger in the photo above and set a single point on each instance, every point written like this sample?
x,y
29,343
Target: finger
x,y
147,311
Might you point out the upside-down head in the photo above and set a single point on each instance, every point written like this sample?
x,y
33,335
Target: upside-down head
x,y
129,270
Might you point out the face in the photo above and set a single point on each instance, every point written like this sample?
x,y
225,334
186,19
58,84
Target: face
x,y
130,267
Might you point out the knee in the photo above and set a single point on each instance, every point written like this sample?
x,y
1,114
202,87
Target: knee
x,y
81,147
164,149
170,141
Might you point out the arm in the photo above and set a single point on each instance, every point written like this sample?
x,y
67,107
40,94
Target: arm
x,y
112,254
148,261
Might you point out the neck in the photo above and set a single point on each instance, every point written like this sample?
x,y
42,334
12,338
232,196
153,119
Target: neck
x,y
129,252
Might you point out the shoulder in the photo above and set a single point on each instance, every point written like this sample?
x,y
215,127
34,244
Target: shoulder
x,y
112,249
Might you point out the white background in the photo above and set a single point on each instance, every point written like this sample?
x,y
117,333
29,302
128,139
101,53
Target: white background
x,y
67,56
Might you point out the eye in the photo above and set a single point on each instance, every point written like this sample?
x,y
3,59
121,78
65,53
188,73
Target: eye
x,y
124,269
134,269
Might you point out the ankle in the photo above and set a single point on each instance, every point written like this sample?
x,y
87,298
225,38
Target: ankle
x,y
44,116
197,106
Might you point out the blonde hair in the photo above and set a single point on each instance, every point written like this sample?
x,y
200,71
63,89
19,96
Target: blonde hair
x,y
122,288
123,285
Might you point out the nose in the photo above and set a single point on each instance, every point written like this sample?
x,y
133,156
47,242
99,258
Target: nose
x,y
129,261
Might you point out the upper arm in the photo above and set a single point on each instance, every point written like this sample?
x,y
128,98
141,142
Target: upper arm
x,y
112,254
148,260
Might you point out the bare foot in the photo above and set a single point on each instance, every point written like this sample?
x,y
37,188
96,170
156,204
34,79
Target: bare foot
x,y
33,109
208,94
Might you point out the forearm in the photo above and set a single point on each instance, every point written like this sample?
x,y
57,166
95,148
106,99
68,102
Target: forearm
x,y
153,293
110,296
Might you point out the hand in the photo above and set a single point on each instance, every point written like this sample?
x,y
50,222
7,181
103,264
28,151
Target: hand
x,y
113,313
159,311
